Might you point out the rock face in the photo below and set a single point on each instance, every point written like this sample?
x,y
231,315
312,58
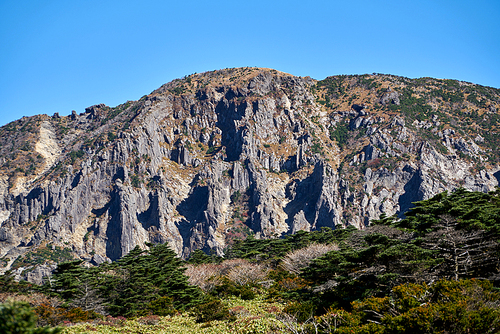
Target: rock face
x,y
220,155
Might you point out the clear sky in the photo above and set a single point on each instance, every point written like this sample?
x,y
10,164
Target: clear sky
x,y
58,56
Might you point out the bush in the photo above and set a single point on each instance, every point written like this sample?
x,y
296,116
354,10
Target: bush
x,y
300,311
226,288
74,155
206,276
297,260
53,316
212,310
162,306
227,276
244,272
18,318
340,134
151,320
246,293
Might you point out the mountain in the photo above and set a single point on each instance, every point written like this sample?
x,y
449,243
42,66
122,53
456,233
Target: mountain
x,y
218,156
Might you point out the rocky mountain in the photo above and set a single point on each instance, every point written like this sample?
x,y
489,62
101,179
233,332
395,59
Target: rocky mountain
x,y
213,157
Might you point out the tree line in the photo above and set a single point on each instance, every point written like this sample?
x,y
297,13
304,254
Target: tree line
x,y
441,262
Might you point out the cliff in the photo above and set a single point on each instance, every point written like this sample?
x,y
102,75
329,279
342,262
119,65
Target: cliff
x,y
217,156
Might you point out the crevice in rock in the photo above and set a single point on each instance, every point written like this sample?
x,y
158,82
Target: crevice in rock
x,y
150,217
497,176
193,207
231,136
412,194
304,194
114,228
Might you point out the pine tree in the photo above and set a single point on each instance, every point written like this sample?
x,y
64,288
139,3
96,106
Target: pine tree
x,y
147,281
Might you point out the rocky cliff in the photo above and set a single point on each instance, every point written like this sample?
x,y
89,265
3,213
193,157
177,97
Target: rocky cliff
x,y
217,156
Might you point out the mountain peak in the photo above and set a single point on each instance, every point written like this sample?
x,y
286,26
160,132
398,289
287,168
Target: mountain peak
x,y
215,157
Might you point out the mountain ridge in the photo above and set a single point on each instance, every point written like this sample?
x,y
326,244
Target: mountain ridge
x,y
220,155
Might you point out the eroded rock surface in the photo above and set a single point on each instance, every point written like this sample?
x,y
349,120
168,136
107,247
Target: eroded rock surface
x,y
216,156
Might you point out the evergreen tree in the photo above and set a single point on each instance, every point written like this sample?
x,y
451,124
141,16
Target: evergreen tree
x,y
147,281
66,279
78,286
127,285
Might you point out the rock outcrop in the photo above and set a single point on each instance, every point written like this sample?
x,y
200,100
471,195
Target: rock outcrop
x,y
221,155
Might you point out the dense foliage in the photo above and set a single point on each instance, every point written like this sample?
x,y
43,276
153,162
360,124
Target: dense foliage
x,y
142,282
18,318
434,271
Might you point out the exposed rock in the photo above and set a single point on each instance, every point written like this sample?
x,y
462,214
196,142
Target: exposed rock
x,y
188,162
390,97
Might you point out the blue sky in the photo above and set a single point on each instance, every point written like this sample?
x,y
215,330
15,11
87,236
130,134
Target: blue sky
x,y
58,56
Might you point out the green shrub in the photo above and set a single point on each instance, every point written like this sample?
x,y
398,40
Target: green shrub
x,y
162,306
74,155
211,150
340,134
212,310
301,311
246,293
227,288
18,318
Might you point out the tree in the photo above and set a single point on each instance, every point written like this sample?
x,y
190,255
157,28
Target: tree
x,y
143,279
78,286
463,229
463,253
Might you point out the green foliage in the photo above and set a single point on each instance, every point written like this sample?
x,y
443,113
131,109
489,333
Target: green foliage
x,y
41,255
449,236
275,249
141,277
74,155
340,134
468,306
18,318
212,310
316,148
235,197
9,285
67,279
178,90
212,150
473,210
112,136
227,288
135,181
199,257
162,306
334,85
384,220
113,112
300,311
26,147
140,283
49,315
412,107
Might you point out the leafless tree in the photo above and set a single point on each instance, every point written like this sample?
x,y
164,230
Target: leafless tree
x,y
240,271
299,259
248,273
206,276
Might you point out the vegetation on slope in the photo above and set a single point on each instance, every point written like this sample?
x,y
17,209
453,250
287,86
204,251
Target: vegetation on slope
x,y
435,270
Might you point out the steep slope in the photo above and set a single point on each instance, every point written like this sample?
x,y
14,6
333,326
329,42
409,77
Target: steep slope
x,y
224,154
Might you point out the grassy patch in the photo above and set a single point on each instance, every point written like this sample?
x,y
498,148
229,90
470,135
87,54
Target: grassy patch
x,y
252,316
